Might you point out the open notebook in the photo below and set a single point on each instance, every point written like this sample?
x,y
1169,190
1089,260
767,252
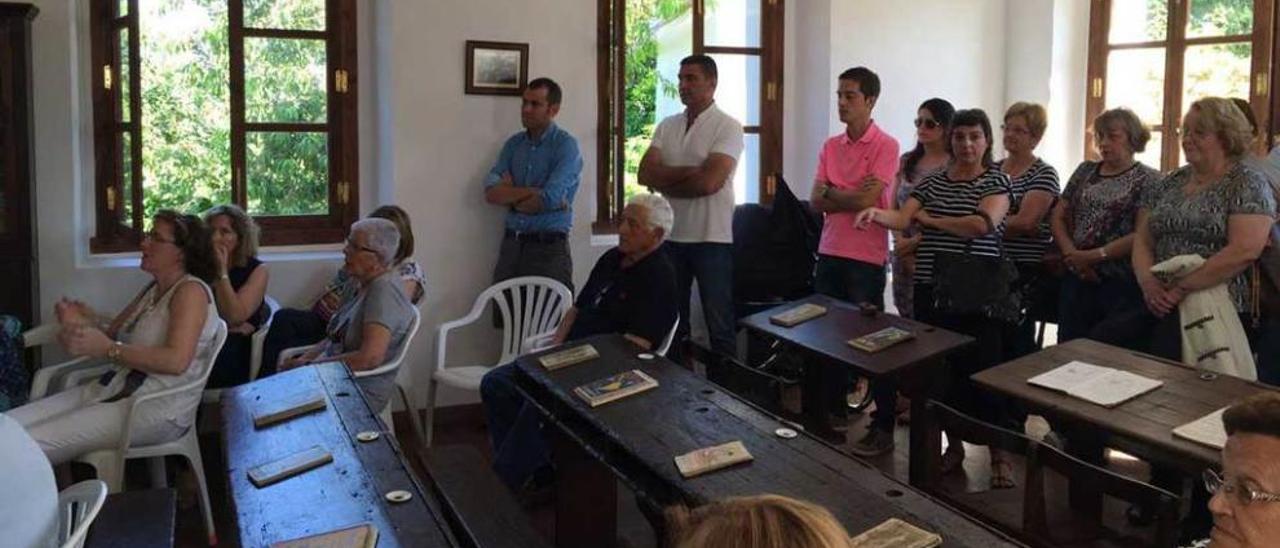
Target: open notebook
x,y
1207,430
1095,384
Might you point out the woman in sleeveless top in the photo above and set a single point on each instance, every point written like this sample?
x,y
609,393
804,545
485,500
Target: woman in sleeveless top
x,y
158,342
239,290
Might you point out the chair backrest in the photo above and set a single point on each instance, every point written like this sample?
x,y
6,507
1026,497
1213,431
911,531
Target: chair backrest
x,y
259,338
1079,472
396,360
204,360
527,306
671,336
78,505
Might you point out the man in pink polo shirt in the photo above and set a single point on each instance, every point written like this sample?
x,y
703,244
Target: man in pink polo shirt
x,y
856,170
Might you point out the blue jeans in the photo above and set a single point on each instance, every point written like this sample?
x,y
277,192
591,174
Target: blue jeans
x,y
711,264
515,428
849,280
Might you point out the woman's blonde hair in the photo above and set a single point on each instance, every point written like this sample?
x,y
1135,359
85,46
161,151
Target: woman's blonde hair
x,y
763,521
1034,114
246,231
1222,118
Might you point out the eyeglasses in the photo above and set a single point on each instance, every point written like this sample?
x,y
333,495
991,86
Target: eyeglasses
x,y
357,247
927,123
154,236
1243,494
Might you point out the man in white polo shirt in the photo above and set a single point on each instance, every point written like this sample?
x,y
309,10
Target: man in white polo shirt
x,y
691,161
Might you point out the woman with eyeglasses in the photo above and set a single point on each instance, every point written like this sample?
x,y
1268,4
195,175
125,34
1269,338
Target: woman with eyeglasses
x,y
1027,237
239,290
153,345
1092,226
960,210
930,155
297,327
1246,495
372,326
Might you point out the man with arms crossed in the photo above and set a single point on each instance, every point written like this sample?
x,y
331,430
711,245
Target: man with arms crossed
x,y
535,178
691,161
856,170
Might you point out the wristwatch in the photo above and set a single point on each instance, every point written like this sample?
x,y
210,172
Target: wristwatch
x,y
114,352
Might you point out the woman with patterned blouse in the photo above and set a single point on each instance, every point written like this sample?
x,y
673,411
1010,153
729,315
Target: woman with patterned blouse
x,y
1035,187
1093,227
1215,207
959,210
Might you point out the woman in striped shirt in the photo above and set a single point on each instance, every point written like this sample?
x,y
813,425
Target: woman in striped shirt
x,y
1035,187
958,210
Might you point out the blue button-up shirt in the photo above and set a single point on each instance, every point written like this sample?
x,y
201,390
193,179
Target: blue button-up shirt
x,y
551,163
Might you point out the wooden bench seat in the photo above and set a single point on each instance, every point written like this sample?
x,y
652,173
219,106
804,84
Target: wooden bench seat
x,y
479,507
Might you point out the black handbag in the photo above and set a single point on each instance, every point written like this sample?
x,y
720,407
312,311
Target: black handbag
x,y
970,284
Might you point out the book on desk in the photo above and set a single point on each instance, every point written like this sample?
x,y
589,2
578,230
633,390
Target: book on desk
x,y
1095,384
880,340
792,317
364,535
1207,430
615,387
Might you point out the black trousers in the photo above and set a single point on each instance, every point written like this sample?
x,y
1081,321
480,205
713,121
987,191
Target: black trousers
x,y
290,327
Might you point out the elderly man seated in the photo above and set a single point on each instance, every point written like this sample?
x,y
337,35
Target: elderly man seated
x,y
1246,495
370,328
631,291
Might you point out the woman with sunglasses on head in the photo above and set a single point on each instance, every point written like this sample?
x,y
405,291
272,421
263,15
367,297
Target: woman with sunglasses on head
x,y
1092,226
1027,237
960,210
153,345
930,155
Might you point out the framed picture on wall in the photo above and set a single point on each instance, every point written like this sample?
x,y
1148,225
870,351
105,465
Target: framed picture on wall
x,y
496,68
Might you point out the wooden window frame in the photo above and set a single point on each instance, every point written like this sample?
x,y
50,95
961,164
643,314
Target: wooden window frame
x,y
1261,78
114,234
611,91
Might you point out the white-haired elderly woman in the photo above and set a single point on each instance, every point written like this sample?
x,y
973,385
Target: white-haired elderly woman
x,y
631,291
369,329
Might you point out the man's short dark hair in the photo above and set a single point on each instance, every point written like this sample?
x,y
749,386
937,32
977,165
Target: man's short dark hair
x,y
868,82
553,89
1258,414
705,61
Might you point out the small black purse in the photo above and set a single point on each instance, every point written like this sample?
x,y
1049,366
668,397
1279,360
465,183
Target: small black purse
x,y
966,284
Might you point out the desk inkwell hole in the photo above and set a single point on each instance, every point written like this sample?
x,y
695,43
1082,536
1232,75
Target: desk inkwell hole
x,y
708,391
1207,376
893,493
342,394
702,409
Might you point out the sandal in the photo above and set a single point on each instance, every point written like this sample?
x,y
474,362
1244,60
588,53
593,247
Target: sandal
x,y
952,460
1001,471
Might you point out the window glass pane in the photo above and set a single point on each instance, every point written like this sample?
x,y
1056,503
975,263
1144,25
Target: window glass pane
x,y
1138,21
738,91
125,199
121,84
658,36
746,178
284,14
284,80
1135,79
184,60
287,173
1219,70
122,8
1151,155
734,23
1220,18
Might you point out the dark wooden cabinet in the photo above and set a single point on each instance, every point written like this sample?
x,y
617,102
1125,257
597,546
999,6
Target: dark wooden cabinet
x,y
19,285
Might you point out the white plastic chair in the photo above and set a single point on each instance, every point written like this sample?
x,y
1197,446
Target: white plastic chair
x,y
109,463
259,337
530,306
78,506
393,365
671,335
